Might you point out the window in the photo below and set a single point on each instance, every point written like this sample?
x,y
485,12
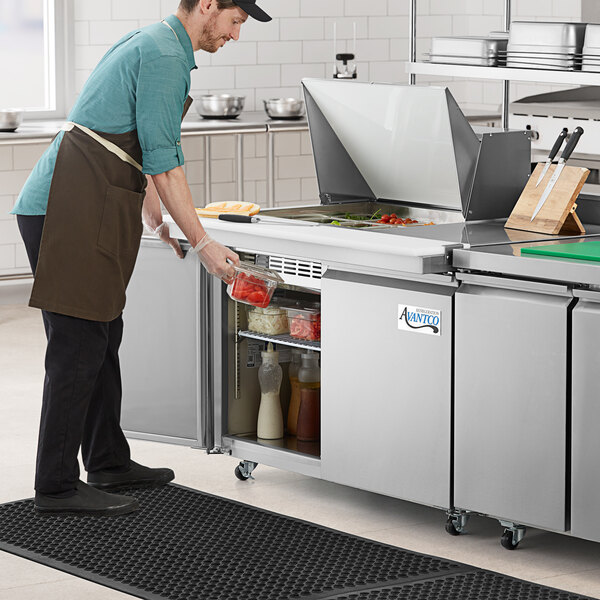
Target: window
x,y
34,40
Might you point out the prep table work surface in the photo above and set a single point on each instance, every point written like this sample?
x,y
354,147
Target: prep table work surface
x,y
508,260
249,122
421,249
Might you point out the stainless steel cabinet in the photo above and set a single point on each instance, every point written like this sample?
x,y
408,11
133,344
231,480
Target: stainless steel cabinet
x,y
510,425
585,482
161,354
386,388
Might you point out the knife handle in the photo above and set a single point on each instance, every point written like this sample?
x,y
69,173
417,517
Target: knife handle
x,y
236,218
557,144
577,133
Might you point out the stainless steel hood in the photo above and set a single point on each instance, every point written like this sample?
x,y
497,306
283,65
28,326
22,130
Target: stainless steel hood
x,y
411,145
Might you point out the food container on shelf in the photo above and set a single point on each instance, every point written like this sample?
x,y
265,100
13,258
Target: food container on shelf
x,y
253,285
536,44
305,323
567,36
591,48
272,320
469,50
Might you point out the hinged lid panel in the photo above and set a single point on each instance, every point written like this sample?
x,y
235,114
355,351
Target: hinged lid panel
x,y
390,142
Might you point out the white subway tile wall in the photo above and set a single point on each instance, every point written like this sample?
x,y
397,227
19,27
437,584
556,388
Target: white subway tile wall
x,y
269,61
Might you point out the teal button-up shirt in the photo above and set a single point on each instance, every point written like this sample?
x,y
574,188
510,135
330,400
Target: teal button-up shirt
x,y
140,84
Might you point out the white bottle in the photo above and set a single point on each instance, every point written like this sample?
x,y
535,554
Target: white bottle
x,y
270,417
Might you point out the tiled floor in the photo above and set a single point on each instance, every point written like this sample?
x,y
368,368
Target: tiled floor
x,y
551,559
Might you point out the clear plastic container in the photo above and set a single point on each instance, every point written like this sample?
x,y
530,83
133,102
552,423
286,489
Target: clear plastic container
x,y
253,285
305,323
272,320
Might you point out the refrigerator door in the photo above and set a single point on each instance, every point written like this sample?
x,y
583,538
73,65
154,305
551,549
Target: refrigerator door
x,y
386,386
511,374
164,354
585,473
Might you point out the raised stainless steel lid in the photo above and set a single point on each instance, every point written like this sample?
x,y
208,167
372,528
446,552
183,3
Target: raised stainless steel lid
x,y
390,142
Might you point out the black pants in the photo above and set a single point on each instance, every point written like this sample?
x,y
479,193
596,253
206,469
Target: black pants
x,y
81,404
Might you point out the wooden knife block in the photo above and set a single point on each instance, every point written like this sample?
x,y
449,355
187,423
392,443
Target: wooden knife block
x,y
557,216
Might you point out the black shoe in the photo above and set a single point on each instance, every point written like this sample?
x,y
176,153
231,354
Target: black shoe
x,y
136,476
86,501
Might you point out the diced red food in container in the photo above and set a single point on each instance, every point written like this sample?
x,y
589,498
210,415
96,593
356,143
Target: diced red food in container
x,y
305,324
252,285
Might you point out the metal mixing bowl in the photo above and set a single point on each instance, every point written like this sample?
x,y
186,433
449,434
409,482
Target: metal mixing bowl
x,y
220,106
284,108
10,119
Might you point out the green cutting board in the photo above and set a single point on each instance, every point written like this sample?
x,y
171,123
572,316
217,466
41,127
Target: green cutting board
x,y
581,250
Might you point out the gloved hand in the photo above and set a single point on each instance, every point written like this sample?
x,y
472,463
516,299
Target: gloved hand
x,y
215,257
162,231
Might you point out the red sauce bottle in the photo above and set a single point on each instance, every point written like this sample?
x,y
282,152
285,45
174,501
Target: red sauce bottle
x,y
309,415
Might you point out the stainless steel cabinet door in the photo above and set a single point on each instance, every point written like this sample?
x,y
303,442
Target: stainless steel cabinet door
x,y
161,350
585,499
511,402
386,388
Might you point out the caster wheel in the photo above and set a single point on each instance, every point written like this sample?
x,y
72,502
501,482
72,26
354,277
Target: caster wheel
x,y
240,475
451,528
507,540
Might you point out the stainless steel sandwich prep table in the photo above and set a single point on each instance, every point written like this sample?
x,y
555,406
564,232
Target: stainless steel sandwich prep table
x,y
396,148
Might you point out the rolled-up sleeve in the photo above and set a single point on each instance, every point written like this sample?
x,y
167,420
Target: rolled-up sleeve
x,y
162,88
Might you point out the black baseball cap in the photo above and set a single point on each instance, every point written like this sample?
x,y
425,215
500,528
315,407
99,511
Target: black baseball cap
x,y
250,7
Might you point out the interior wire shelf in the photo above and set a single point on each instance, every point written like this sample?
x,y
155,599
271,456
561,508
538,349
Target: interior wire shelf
x,y
283,338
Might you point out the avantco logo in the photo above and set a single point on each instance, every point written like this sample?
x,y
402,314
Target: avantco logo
x,y
419,320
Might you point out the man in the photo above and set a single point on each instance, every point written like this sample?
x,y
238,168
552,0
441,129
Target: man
x,y
80,216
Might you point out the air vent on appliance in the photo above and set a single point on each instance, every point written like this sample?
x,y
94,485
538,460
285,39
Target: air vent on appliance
x,y
296,267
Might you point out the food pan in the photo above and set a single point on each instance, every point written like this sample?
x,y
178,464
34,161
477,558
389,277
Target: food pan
x,y
539,33
467,50
591,43
591,49
546,60
465,60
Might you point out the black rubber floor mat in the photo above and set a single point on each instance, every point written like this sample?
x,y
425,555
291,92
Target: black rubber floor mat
x,y
187,545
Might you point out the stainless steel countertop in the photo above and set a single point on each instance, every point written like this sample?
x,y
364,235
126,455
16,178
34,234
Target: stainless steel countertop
x,y
193,124
481,233
247,122
506,259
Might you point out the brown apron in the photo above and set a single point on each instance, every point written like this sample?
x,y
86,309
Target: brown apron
x,y
93,226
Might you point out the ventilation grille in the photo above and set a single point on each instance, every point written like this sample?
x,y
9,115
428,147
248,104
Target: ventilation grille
x,y
295,267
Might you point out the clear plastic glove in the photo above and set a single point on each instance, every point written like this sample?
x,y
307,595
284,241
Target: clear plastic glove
x,y
216,258
162,232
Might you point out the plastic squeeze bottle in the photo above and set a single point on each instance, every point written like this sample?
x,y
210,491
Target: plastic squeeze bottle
x,y
309,415
270,418
294,408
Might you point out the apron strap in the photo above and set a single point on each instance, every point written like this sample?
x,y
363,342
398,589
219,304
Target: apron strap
x,y
108,145
174,32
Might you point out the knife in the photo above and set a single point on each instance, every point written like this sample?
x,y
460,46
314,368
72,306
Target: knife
x,y
573,139
248,219
557,144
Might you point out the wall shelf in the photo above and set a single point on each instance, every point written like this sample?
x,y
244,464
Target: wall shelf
x,y
504,73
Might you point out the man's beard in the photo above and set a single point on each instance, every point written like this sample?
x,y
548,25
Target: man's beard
x,y
209,42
